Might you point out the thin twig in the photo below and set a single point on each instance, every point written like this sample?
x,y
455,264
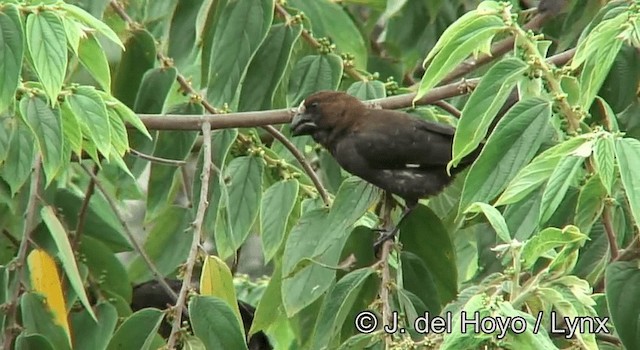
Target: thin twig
x,y
611,235
300,158
448,108
197,235
82,214
19,262
10,238
154,159
137,246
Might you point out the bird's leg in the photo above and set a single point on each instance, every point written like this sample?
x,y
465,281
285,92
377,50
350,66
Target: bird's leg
x,y
390,234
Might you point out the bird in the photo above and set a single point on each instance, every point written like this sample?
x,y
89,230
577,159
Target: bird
x,y
393,150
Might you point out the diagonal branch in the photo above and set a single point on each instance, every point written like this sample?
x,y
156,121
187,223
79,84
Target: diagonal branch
x,y
137,246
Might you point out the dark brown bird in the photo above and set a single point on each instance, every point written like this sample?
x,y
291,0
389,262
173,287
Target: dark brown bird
x,y
393,150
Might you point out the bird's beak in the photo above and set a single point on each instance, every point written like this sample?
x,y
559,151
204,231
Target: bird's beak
x,y
302,122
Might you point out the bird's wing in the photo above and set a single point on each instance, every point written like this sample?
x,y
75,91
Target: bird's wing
x,y
403,143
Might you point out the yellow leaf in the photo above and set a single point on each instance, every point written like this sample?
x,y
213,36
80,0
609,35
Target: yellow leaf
x,y
45,280
216,280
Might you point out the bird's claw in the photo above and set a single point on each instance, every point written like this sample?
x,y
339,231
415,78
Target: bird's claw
x,y
385,235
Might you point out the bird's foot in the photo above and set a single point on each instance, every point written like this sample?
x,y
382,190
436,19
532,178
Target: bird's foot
x,y
385,235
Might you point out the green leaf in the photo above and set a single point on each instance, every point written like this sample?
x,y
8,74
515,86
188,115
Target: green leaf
x,y
242,27
32,341
628,154
604,161
20,155
367,90
6,131
538,171
329,19
89,334
94,59
86,18
46,126
119,136
11,53
320,236
47,43
458,338
510,147
596,53
216,281
622,283
138,57
65,254
483,105
71,128
182,32
590,204
154,89
437,252
336,306
137,331
73,31
270,305
215,324
274,218
102,262
267,68
564,174
546,240
126,114
91,111
171,229
37,319
495,219
245,194
209,28
471,33
418,280
314,73
529,339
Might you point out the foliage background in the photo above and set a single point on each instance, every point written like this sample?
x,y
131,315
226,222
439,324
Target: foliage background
x,y
171,110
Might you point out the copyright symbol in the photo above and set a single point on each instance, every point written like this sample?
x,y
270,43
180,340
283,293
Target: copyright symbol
x,y
366,322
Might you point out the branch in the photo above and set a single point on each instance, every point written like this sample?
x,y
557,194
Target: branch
x,y
282,116
19,261
611,235
114,207
158,160
300,158
197,236
82,215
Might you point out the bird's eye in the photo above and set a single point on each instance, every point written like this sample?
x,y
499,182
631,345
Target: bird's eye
x,y
313,105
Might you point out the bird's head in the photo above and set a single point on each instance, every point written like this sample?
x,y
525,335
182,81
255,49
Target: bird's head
x,y
323,112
